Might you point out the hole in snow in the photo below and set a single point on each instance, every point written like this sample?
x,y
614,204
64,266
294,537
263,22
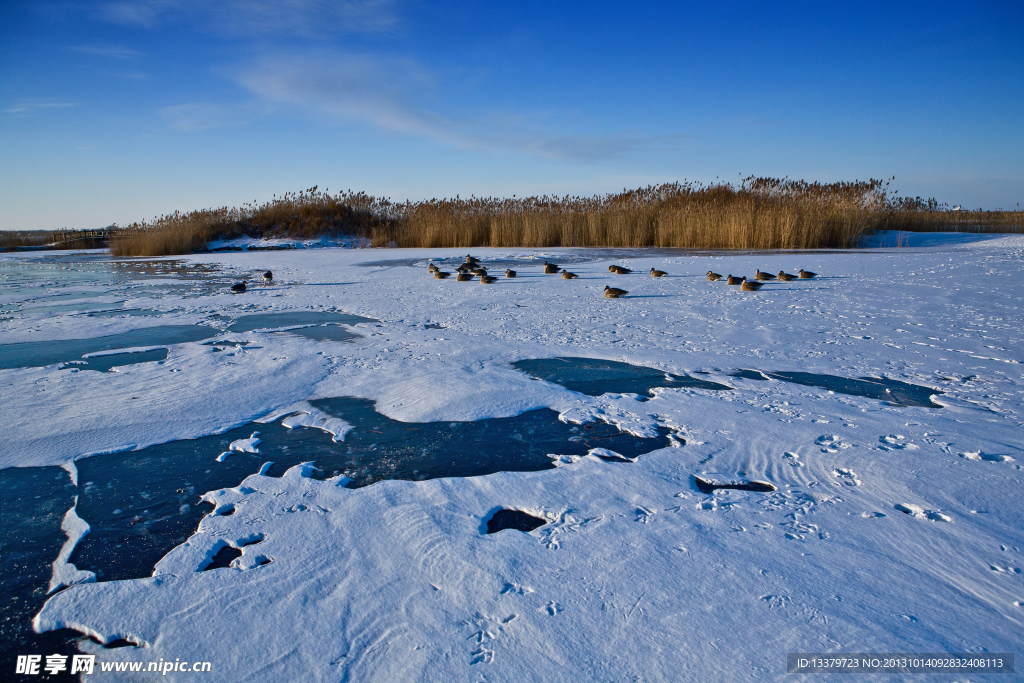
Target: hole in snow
x,y
708,486
223,559
513,519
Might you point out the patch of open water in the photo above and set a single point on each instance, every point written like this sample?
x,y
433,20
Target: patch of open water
x,y
33,502
39,354
141,504
893,391
275,320
596,376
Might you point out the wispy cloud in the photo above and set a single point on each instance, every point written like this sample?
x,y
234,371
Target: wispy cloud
x,y
115,51
388,94
195,116
30,106
279,17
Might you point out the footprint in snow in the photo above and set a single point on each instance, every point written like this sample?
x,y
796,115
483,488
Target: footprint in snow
x,y
918,511
831,443
793,459
847,476
989,457
552,608
644,515
895,442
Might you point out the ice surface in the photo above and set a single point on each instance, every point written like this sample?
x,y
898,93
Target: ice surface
x,y
881,536
64,573
246,445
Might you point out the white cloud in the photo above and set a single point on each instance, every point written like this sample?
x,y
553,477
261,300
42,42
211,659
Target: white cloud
x,y
29,106
206,115
115,51
278,17
389,94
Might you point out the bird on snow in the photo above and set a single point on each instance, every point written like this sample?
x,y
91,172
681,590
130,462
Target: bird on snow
x,y
619,270
713,276
566,275
432,268
440,275
734,280
268,277
509,272
786,277
806,274
658,273
614,292
750,285
550,267
763,277
463,277
239,287
488,279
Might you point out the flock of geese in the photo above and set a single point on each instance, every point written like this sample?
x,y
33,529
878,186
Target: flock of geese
x,y
760,278
472,268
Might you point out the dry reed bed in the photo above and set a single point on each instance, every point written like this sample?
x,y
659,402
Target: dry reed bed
x,y
761,213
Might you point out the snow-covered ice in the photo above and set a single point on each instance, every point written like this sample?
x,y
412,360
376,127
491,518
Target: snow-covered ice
x,y
884,533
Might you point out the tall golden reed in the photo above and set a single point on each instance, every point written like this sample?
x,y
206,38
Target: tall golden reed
x,y
761,213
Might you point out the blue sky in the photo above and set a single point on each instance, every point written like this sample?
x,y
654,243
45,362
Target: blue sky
x,y
118,111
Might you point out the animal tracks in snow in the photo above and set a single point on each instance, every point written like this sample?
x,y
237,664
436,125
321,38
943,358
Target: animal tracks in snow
x,y
563,523
486,630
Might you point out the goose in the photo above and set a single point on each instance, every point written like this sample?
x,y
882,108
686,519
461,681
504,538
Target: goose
x,y
432,268
472,259
786,277
463,277
566,275
713,276
488,279
509,272
550,267
806,274
733,280
464,268
440,275
658,273
239,287
763,277
614,292
268,277
481,271
619,270
750,285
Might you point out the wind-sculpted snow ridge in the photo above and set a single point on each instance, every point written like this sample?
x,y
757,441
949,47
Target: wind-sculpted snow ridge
x,y
891,527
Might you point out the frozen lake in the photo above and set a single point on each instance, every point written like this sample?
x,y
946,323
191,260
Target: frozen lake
x,y
425,479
